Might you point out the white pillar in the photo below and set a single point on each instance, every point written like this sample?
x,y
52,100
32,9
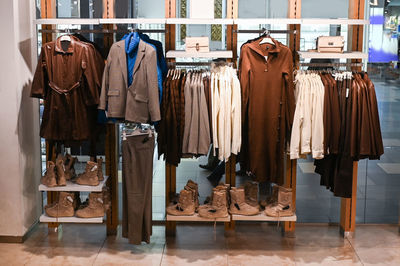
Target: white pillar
x,y
20,167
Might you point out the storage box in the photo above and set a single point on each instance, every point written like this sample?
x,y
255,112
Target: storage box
x,y
197,44
330,44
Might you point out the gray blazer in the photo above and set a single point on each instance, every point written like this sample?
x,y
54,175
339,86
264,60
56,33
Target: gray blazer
x,y
140,102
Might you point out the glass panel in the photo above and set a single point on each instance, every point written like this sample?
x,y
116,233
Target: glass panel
x,y
263,9
325,8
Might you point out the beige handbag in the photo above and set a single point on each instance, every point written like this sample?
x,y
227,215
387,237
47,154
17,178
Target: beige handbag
x,y
197,44
330,44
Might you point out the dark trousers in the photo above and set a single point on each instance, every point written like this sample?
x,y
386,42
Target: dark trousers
x,y
137,181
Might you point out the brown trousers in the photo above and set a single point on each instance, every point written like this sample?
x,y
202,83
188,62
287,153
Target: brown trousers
x,y
137,181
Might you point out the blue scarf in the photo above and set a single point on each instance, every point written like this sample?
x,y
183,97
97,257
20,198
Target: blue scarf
x,y
131,47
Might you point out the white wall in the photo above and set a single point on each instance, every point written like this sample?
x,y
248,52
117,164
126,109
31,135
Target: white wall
x,y
19,134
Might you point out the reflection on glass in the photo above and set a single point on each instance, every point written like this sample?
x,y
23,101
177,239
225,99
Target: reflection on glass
x,y
263,9
325,8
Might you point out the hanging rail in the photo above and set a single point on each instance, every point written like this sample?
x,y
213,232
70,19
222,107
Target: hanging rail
x,y
104,31
260,31
332,64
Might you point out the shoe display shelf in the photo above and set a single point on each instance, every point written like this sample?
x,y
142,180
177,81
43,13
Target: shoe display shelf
x,y
46,219
196,218
71,186
261,217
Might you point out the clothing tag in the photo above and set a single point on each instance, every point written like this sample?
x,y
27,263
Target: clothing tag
x,y
266,58
347,92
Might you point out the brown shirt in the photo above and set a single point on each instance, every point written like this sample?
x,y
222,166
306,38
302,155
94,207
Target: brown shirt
x,y
267,107
69,82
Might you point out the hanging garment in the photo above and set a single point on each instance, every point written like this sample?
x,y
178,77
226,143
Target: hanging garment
x,y
137,180
267,107
69,82
138,102
308,124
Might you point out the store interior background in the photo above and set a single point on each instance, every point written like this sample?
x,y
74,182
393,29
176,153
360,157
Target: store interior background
x,y
378,181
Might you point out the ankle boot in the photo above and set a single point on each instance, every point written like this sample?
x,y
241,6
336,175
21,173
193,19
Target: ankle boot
x,y
185,206
100,169
89,177
251,193
64,207
60,171
194,187
239,205
69,162
283,206
218,207
49,178
94,208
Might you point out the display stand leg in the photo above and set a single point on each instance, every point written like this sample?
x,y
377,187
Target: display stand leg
x,y
112,182
290,182
230,178
348,208
170,190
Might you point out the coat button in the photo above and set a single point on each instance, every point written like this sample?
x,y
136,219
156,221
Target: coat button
x,y
265,70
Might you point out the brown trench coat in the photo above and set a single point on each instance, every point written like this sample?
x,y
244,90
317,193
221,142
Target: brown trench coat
x,y
267,108
69,82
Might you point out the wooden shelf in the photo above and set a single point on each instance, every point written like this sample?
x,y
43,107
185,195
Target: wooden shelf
x,y
211,54
46,219
75,187
196,218
345,55
262,217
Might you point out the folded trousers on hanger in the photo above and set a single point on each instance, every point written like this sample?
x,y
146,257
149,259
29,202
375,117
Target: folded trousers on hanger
x,y
137,180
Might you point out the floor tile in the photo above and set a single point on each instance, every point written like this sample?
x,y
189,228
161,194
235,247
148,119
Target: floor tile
x,y
390,168
380,236
379,256
194,255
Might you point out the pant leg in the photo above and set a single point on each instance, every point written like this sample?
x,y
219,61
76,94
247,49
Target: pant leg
x,y
138,178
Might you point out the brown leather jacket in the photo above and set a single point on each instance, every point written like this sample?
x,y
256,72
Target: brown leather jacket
x,y
69,82
267,107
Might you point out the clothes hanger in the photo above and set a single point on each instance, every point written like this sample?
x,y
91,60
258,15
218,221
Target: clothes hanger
x,y
267,38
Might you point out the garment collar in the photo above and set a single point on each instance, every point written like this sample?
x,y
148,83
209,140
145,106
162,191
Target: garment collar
x,y
255,45
131,42
59,48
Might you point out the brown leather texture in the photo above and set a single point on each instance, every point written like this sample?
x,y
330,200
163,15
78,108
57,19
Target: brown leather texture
x,y
69,82
268,106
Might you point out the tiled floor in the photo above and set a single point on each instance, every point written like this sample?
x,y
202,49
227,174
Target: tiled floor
x,y
250,244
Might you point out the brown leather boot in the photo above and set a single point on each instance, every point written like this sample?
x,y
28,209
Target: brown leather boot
x,y
64,207
49,178
61,180
94,208
185,206
218,207
191,185
251,193
89,177
69,162
239,204
283,206
100,169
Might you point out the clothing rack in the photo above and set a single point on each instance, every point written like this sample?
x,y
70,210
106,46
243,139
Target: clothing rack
x,y
100,31
332,64
209,63
263,30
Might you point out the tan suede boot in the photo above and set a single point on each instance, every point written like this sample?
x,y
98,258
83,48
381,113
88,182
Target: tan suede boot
x,y
185,206
49,178
89,177
69,162
194,187
100,169
239,205
283,206
251,193
94,208
61,180
218,207
64,207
